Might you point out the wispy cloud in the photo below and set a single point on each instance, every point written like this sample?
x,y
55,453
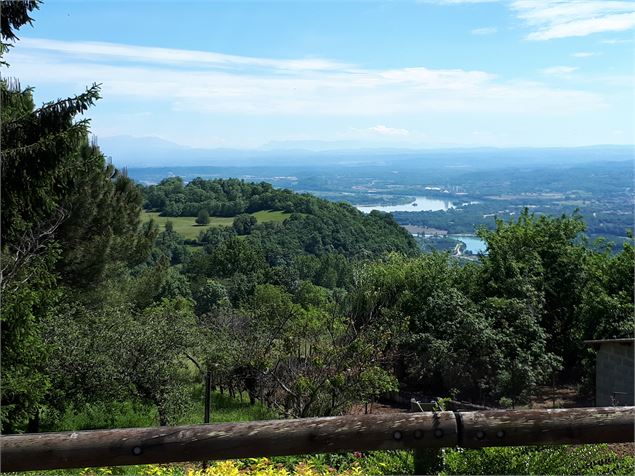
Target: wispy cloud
x,y
202,82
490,30
170,56
559,70
389,131
583,54
553,19
614,41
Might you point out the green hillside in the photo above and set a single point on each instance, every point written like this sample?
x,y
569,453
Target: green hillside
x,y
286,224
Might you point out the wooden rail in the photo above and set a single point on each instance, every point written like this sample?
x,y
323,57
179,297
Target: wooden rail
x,y
79,449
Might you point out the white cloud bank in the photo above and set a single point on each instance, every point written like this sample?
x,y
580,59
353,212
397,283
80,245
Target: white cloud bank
x,y
184,80
553,19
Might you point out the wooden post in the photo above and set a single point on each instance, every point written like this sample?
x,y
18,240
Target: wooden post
x,y
208,395
208,403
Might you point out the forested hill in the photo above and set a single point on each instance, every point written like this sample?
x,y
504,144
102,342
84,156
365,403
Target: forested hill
x,y
304,224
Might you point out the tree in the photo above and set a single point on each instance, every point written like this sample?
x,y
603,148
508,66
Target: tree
x,y
36,147
243,223
148,364
538,260
450,338
203,217
14,15
66,214
607,305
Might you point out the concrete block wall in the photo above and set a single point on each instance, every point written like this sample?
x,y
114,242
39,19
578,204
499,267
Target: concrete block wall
x,y
614,374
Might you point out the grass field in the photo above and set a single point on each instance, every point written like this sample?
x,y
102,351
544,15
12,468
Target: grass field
x,y
188,229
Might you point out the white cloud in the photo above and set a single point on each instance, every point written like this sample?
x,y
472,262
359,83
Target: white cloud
x,y
583,54
566,18
389,131
490,30
171,56
559,70
202,82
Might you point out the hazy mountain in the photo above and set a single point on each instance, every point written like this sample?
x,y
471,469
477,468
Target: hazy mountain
x,y
155,152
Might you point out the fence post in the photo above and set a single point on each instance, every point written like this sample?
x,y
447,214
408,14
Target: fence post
x,y
208,395
426,460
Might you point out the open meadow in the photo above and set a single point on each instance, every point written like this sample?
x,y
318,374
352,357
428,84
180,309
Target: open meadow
x,y
189,229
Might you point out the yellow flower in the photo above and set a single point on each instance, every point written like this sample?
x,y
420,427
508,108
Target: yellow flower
x,y
223,468
155,470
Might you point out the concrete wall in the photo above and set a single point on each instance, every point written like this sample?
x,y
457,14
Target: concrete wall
x,y
614,373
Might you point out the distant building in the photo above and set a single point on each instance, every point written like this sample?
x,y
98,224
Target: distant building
x,y
614,368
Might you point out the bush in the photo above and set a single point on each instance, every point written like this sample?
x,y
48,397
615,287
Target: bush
x,y
203,217
584,459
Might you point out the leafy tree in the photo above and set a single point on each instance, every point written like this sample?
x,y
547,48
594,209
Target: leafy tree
x,y
25,305
538,260
171,245
100,355
485,348
235,256
209,295
606,308
202,217
154,350
244,223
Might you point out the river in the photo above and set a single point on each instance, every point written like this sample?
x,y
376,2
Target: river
x,y
472,243
420,204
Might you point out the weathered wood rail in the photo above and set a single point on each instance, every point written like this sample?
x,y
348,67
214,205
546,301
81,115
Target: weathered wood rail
x,y
315,435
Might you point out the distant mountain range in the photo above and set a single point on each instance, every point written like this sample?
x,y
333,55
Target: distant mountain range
x,y
135,152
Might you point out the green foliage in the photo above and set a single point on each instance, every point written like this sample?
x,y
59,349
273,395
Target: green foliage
x,y
202,218
148,365
39,151
606,310
209,295
244,223
14,15
66,215
536,259
313,226
484,347
586,459
27,302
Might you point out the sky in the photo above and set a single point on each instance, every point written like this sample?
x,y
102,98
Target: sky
x,y
416,74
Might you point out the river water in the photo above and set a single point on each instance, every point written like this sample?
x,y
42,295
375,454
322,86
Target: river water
x,y
472,243
420,204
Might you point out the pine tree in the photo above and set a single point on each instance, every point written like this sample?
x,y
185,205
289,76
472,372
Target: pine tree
x,y
13,15
66,213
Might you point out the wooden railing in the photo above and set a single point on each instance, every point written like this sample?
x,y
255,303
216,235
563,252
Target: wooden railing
x,y
391,431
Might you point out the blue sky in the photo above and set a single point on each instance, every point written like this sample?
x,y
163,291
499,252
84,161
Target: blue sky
x,y
428,73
